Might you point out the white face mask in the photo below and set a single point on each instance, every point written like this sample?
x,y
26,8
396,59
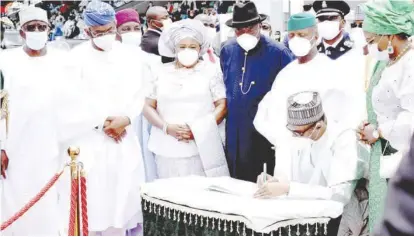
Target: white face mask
x,y
211,34
329,29
105,42
36,40
231,34
131,38
302,143
166,23
379,55
300,46
188,57
247,41
265,32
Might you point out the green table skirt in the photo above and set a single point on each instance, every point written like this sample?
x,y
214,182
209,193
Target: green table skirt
x,y
162,218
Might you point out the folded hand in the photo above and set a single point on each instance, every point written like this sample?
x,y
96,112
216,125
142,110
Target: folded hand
x,y
115,127
180,132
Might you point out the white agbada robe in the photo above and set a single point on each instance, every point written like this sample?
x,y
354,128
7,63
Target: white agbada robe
x,y
323,169
114,83
320,75
44,114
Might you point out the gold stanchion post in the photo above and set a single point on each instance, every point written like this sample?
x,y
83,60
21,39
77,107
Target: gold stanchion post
x,y
74,225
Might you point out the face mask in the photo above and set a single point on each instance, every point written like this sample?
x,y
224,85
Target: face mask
x,y
300,46
36,40
231,34
379,55
328,29
265,32
165,24
302,143
247,41
131,38
105,42
211,33
188,57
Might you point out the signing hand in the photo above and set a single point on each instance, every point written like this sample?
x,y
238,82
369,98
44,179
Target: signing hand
x,y
4,163
260,179
272,189
115,127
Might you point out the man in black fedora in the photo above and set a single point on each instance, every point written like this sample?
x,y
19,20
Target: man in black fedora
x,y
250,64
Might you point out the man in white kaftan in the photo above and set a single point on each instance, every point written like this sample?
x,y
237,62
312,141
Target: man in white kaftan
x,y
310,71
129,33
44,114
320,160
112,157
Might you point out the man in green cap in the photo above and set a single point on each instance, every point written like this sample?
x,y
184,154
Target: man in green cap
x,y
315,72
310,71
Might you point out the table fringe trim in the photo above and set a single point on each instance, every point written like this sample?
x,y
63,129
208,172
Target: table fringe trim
x,y
170,211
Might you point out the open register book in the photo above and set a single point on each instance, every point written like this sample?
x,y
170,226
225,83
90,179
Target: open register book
x,y
233,186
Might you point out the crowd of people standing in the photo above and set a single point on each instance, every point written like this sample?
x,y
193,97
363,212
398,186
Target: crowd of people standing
x,y
331,119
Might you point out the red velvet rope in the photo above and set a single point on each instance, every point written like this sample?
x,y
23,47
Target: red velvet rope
x,y
32,202
84,207
73,207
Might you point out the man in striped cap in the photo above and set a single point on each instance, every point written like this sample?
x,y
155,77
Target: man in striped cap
x,y
317,162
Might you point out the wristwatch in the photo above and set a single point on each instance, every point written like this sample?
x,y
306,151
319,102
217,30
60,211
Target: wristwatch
x,y
375,134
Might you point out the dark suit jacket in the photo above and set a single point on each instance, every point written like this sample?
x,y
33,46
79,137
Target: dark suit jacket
x,y
399,210
149,44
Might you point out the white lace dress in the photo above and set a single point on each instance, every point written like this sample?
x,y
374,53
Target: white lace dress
x,y
183,95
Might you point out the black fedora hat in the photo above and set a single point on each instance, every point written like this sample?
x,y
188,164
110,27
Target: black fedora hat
x,y
244,15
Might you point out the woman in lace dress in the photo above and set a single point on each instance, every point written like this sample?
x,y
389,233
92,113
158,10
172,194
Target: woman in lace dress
x,y
390,98
186,106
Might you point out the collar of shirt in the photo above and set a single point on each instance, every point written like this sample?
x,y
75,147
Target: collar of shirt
x,y
154,30
334,44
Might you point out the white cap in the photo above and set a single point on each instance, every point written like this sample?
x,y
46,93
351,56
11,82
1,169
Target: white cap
x,y
32,14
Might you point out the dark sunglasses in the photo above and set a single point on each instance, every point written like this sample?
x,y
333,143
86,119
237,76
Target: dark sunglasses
x,y
328,18
33,27
264,27
355,25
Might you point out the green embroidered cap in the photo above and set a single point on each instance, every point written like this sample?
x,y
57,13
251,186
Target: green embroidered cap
x,y
301,21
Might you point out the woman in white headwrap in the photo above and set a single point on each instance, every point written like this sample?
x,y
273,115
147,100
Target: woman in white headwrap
x,y
186,106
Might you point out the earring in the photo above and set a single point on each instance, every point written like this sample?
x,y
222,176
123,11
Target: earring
x,y
390,49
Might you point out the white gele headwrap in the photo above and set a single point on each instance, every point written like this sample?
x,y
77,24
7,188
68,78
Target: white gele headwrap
x,y
180,30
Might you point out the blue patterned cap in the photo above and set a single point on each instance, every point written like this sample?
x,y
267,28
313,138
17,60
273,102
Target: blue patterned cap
x,y
98,13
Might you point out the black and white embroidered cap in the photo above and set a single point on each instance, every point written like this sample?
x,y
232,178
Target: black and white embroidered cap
x,y
304,108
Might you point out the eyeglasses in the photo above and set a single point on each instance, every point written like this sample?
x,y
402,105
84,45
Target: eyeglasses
x,y
209,25
111,30
33,27
300,133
